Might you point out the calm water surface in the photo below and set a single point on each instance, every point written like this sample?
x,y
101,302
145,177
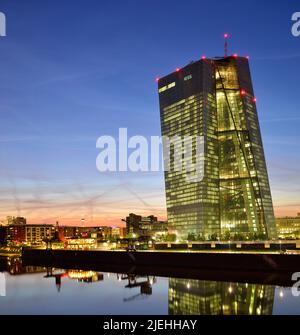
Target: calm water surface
x,y
37,290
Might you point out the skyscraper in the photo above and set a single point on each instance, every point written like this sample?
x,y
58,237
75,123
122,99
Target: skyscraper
x,y
214,98
201,297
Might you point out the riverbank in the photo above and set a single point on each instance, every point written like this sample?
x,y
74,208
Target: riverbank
x,y
184,260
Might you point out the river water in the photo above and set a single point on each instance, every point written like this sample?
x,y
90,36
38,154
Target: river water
x,y
39,290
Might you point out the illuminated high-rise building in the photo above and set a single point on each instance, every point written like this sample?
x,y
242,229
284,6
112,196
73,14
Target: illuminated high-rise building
x,y
214,98
200,297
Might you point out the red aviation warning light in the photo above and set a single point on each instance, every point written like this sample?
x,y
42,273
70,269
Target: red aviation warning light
x,y
203,57
177,69
243,92
157,79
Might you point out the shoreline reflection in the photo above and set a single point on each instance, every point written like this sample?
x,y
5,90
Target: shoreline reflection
x,y
180,296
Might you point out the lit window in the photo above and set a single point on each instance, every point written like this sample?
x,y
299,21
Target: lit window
x,y
164,88
188,77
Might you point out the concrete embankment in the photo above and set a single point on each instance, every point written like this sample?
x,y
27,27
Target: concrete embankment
x,y
183,260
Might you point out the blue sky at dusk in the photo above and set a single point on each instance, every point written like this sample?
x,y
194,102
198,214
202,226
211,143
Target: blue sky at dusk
x,y
71,71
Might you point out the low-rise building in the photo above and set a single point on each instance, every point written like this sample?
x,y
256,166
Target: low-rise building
x,y
145,225
37,233
29,233
15,229
288,227
3,234
100,233
81,243
118,232
15,233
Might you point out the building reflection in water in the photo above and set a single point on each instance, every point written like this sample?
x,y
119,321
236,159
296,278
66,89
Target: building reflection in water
x,y
81,276
14,266
145,284
185,296
215,298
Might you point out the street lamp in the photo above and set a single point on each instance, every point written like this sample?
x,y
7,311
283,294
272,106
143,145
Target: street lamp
x,y
280,245
281,294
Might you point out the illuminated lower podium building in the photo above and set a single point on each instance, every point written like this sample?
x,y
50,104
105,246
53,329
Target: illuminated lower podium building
x,y
199,297
214,98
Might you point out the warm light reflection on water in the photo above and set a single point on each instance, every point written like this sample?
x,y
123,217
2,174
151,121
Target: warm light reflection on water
x,y
41,290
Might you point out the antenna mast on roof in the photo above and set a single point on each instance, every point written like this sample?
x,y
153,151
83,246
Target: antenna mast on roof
x,y
226,44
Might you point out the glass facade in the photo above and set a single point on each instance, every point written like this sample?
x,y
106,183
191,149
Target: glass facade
x,y
234,198
199,297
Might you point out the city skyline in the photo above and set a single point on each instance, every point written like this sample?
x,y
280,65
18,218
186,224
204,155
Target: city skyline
x,y
55,102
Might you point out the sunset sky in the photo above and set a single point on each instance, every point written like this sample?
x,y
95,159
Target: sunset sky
x,y
72,71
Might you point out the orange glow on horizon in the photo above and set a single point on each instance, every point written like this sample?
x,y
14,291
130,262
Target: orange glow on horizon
x,y
115,220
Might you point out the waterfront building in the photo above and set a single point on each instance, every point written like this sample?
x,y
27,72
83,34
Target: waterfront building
x,y
15,233
38,233
65,232
145,225
100,233
81,243
3,234
29,233
214,99
288,226
118,232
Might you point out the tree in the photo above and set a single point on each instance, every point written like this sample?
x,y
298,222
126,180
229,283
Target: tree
x,y
200,237
191,237
238,237
171,237
214,237
262,236
227,235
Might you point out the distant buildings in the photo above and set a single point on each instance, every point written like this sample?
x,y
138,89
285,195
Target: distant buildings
x,y
145,225
14,230
36,234
81,243
75,237
15,234
2,234
17,231
288,226
118,232
100,233
71,232
29,234
19,220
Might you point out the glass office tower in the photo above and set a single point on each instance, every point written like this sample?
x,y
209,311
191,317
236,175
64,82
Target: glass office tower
x,y
200,297
214,98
